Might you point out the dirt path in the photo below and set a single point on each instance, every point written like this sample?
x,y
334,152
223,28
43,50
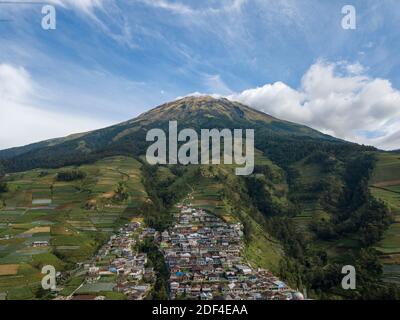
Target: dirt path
x,y
387,183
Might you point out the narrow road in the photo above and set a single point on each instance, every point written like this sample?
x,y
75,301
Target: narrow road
x,y
73,292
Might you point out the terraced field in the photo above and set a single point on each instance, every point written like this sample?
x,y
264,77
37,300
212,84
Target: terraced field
x,y
309,173
72,219
385,185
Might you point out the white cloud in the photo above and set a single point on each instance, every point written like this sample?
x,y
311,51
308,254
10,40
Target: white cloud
x,y
355,68
235,5
23,121
214,83
177,8
199,94
183,9
87,6
15,83
338,99
107,17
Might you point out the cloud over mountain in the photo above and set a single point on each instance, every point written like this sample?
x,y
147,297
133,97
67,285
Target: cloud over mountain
x,y
336,98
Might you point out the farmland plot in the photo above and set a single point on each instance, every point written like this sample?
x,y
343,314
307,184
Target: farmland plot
x,y
40,208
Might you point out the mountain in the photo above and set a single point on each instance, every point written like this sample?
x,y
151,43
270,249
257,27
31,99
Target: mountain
x,y
313,204
128,138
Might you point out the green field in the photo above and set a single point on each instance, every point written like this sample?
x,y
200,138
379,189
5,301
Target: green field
x,y
74,217
385,185
387,168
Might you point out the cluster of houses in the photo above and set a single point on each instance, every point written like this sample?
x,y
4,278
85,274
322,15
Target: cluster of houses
x,y
203,254
119,260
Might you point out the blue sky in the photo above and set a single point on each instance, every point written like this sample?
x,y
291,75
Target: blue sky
x,y
110,60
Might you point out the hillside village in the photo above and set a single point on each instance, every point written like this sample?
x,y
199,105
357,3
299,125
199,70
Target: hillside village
x,y
119,267
204,256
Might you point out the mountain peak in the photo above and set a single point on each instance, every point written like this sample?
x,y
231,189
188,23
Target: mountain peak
x,y
196,101
204,108
199,98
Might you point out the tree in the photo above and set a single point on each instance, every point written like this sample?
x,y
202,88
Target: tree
x,y
121,192
160,291
70,175
3,187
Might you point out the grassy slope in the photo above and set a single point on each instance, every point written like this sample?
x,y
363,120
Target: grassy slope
x,y
385,185
309,174
74,231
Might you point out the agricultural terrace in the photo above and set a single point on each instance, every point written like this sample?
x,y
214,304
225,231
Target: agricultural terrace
x,y
45,221
385,185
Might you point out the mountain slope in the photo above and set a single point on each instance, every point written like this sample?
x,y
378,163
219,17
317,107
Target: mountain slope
x,y
128,138
15,151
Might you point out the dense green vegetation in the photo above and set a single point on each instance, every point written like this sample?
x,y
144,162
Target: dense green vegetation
x,y
70,175
156,261
121,192
3,187
352,214
165,185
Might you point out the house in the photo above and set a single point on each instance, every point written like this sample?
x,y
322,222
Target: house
x,y
278,286
196,290
174,285
149,274
36,244
244,269
206,296
213,277
136,274
87,297
165,236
